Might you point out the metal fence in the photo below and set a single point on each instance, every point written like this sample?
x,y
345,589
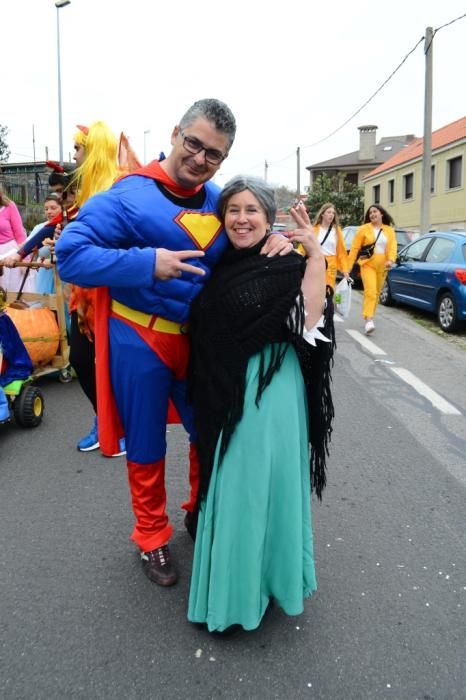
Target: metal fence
x,y
28,195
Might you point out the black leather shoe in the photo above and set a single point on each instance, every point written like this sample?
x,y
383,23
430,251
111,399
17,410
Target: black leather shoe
x,y
158,566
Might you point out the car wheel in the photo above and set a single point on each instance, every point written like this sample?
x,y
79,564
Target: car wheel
x,y
385,295
446,313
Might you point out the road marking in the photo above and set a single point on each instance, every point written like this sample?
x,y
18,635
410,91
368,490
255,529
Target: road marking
x,y
435,399
366,343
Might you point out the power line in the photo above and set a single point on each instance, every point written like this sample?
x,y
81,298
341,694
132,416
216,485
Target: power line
x,y
447,24
332,133
392,74
442,26
368,100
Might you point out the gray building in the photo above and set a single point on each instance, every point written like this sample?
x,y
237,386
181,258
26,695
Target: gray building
x,y
354,166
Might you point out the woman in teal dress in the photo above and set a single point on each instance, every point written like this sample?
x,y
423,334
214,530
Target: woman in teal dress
x,y
262,343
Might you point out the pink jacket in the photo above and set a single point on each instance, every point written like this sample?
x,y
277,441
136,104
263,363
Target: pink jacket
x,y
11,225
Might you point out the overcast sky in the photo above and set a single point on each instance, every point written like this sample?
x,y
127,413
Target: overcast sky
x,y
292,72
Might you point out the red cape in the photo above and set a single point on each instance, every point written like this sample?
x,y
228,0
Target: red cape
x,y
109,423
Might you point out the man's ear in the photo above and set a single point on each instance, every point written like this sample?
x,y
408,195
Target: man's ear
x,y
175,133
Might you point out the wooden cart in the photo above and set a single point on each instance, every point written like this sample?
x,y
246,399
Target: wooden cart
x,y
26,399
56,303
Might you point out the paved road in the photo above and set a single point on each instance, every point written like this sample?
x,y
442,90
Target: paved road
x,y
79,619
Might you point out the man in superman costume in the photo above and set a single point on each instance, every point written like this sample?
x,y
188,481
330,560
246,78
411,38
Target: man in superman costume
x,y
151,240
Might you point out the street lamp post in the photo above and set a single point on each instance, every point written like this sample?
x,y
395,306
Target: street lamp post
x,y
145,134
58,5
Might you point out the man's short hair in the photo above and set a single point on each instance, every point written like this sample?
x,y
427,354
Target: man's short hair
x,y
214,111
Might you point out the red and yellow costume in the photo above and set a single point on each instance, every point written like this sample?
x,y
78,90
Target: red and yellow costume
x,y
142,347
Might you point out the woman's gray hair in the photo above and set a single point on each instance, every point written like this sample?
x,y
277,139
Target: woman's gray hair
x,y
264,194
214,111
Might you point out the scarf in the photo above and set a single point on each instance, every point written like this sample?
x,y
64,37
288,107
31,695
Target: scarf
x,y
251,303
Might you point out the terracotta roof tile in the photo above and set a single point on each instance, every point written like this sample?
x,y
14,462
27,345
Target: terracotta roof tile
x,y
456,131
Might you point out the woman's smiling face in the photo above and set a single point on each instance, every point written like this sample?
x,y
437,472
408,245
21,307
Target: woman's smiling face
x,y
245,220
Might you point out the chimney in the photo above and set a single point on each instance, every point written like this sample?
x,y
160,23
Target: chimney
x,y
367,136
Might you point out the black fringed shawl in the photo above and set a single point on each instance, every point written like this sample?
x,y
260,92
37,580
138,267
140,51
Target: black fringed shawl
x,y
249,303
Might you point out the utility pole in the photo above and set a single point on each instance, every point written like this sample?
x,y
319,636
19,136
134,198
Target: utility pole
x,y
266,168
427,144
58,5
298,173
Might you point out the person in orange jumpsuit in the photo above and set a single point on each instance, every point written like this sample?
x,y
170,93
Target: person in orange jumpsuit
x,y
374,247
328,231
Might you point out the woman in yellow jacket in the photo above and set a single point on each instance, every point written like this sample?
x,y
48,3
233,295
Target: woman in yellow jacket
x,y
327,229
374,246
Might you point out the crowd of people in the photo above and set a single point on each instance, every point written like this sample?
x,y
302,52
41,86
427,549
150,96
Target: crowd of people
x,y
229,331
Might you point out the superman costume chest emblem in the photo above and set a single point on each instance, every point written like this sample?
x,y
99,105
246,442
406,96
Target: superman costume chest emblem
x,y
203,229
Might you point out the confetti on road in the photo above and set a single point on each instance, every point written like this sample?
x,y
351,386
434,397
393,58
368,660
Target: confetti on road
x,y
198,654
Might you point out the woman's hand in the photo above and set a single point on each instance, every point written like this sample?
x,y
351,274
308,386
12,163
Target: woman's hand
x,y
304,233
276,244
388,264
11,260
50,243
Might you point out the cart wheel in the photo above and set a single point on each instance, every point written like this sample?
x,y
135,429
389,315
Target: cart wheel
x,y
65,376
28,407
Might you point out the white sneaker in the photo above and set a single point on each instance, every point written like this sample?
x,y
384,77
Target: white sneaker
x,y
369,327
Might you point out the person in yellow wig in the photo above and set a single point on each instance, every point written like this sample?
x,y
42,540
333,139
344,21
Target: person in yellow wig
x,y
328,231
96,154
374,247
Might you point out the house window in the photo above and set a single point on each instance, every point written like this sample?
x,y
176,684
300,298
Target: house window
x,y
432,179
391,191
376,194
352,177
408,186
454,172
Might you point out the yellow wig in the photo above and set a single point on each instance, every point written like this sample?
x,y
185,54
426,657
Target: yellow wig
x,y
100,169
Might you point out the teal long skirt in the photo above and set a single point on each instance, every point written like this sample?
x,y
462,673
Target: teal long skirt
x,y
254,537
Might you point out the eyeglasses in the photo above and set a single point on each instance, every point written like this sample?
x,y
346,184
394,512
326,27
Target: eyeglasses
x,y
194,146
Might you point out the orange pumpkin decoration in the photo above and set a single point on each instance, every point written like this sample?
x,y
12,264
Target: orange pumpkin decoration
x,y
39,332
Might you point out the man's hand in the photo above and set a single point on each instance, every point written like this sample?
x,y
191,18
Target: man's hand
x,y
169,263
276,244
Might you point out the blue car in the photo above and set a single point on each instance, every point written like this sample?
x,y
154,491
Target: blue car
x,y
430,274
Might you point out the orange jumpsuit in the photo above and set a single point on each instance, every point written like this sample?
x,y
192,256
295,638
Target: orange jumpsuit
x,y
373,271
